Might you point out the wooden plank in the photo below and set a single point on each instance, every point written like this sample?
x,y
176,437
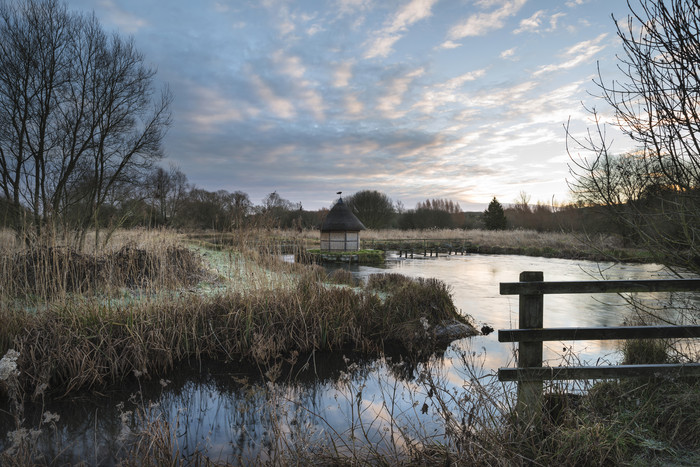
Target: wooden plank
x,y
597,333
618,286
597,372
530,315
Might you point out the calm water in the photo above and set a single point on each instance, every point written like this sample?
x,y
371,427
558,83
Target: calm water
x,y
232,413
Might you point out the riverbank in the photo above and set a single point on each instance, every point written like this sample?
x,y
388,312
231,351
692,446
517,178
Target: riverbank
x,y
425,413
98,320
564,245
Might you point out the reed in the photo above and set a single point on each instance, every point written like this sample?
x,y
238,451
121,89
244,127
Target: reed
x,y
89,344
99,320
50,270
245,304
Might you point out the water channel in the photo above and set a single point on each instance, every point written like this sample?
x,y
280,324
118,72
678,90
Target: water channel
x,y
233,413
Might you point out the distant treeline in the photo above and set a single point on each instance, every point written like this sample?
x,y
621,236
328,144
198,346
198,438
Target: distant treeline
x,y
165,198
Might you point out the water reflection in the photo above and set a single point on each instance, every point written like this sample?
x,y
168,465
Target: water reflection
x,y
233,414
475,280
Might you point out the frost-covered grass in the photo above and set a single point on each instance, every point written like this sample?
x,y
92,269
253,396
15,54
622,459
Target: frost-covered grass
x,y
98,320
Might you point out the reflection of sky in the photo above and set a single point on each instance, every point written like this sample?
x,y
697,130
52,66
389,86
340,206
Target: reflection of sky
x,y
475,285
254,421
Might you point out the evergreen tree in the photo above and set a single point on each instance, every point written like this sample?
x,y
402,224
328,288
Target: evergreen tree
x,y
494,217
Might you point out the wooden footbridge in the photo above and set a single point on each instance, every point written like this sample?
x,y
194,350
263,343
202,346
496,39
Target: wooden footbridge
x,y
411,248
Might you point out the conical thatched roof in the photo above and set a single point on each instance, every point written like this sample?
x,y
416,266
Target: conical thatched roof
x,y
340,218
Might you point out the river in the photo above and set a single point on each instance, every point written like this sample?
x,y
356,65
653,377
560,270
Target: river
x,y
232,413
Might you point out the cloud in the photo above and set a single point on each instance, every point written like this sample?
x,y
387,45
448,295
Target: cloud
x,y
388,104
450,45
381,45
212,109
280,106
289,65
531,24
508,54
554,20
284,23
342,74
447,92
314,29
480,23
352,105
491,98
536,23
458,81
352,6
576,55
221,7
293,72
127,22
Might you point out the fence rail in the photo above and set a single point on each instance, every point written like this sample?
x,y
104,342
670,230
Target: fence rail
x,y
530,373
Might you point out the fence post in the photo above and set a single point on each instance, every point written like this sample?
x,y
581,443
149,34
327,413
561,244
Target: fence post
x,y
530,316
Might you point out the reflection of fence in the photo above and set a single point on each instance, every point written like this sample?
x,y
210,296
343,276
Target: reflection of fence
x,y
530,373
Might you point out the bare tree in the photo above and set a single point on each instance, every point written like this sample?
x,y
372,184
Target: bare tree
x,y
166,190
373,208
656,103
241,206
77,113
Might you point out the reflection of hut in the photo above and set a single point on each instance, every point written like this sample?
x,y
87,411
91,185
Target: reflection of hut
x,y
340,230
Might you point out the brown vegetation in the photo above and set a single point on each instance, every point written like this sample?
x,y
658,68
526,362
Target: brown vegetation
x,y
86,335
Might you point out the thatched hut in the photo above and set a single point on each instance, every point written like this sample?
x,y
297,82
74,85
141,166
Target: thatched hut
x,y
340,230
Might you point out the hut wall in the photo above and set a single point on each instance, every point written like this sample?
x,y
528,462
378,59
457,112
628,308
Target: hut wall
x,y
340,241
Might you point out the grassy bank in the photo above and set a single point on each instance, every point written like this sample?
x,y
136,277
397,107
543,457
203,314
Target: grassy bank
x,y
77,320
600,247
85,321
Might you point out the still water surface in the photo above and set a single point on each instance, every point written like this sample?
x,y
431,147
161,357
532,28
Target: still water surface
x,y
233,414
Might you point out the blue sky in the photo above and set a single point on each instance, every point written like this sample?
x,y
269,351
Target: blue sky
x,y
459,99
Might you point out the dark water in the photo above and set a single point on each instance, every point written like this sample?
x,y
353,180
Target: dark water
x,y
236,414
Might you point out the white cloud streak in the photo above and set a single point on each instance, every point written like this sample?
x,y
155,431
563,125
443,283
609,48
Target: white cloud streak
x,y
382,44
389,103
126,21
481,23
576,55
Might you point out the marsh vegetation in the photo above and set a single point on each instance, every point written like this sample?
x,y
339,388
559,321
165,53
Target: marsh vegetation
x,y
153,304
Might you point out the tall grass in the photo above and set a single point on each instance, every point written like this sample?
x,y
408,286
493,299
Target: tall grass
x,y
136,309
87,344
100,319
50,270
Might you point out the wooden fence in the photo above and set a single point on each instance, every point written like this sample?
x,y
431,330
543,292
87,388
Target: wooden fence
x,y
530,373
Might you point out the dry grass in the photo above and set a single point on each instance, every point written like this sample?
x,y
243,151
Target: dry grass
x,y
98,320
264,310
86,344
520,242
48,272
599,247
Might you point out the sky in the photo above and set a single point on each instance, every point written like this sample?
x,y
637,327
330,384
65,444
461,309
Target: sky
x,y
418,99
